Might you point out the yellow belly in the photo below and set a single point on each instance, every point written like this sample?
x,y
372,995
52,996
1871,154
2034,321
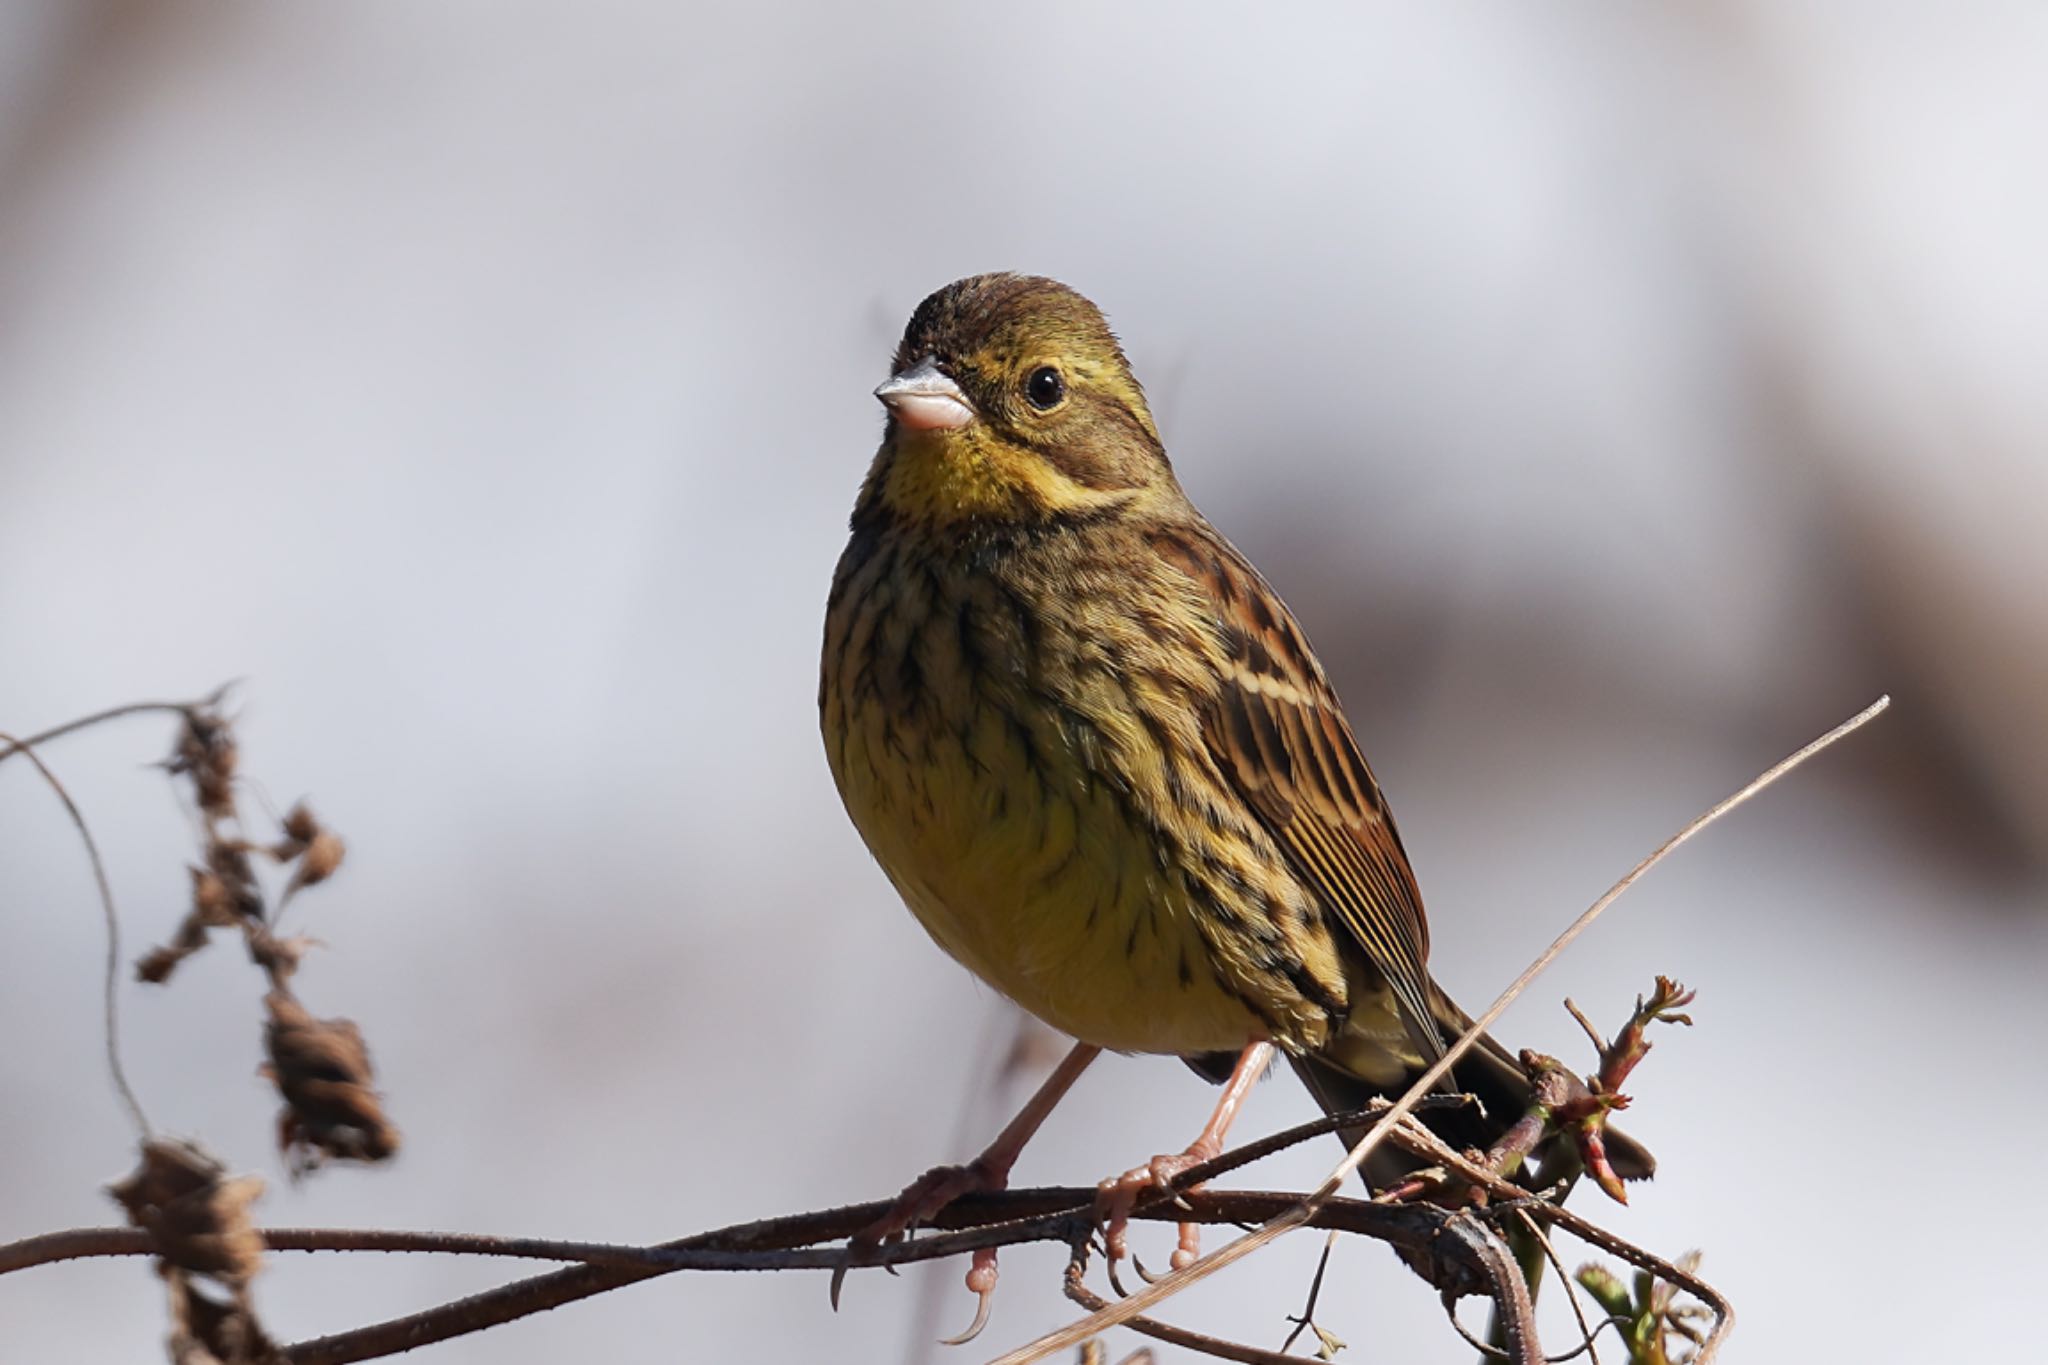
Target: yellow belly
x,y
1032,872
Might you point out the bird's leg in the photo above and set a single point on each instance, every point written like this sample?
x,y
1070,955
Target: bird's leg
x,y
1117,1196
986,1174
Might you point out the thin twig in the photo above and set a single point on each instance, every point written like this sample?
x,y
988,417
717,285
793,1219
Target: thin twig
x,y
1177,1336
1230,1252
1492,1352
134,708
1315,1292
1599,1043
1571,1288
110,980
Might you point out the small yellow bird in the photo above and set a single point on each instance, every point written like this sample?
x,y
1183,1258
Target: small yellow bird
x,y
1096,756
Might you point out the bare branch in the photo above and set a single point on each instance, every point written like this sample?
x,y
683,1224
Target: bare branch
x,y
799,1242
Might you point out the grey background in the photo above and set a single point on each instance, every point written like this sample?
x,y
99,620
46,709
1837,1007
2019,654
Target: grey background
x,y
1620,396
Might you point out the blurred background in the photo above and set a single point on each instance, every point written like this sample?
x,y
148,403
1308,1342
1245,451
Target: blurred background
x,y
1620,396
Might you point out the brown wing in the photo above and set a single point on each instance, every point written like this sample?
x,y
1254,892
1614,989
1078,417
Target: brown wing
x,y
1279,735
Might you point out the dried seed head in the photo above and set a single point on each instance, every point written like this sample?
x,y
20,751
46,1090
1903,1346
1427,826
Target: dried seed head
x,y
321,858
317,847
229,862
299,825
208,1331
224,894
206,753
157,965
279,956
322,1068
198,1221
213,905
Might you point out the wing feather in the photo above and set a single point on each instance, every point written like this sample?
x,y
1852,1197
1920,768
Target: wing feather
x,y
1278,733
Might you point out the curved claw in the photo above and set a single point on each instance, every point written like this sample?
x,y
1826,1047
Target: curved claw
x,y
1185,1254
981,1307
981,1280
1109,1265
857,1251
1113,1215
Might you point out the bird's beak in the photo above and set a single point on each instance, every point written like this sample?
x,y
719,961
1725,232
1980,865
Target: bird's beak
x,y
922,399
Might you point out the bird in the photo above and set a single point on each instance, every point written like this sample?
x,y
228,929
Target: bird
x,y
1096,756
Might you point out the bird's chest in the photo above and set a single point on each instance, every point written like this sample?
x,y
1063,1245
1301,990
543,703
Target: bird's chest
x,y
1003,769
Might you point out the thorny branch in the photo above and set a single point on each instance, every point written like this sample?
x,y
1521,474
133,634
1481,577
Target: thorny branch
x,y
801,1242
1455,1242
195,1219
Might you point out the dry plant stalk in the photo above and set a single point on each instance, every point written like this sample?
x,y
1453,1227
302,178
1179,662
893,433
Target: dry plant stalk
x,y
321,1067
197,1220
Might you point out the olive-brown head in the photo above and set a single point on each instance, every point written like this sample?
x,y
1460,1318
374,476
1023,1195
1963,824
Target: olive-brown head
x,y
1010,401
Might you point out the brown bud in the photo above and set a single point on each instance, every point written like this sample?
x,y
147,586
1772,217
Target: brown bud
x,y
299,825
1593,1153
321,858
158,964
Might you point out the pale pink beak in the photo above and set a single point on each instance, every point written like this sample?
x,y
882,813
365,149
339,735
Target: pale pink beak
x,y
922,399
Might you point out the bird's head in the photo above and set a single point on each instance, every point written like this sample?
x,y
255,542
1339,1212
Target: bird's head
x,y
1010,400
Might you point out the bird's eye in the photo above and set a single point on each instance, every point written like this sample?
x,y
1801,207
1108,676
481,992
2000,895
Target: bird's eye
x,y
1045,388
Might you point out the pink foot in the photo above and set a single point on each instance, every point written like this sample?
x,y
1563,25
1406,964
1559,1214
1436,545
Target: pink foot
x,y
1116,1197
920,1201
